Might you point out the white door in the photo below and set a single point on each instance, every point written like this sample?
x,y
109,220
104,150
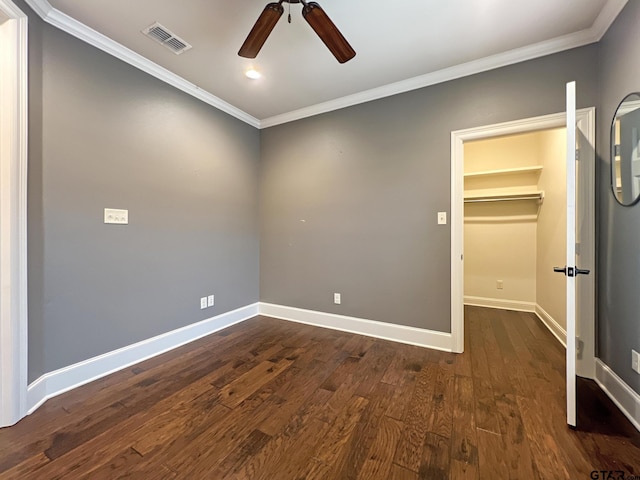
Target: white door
x,y
575,231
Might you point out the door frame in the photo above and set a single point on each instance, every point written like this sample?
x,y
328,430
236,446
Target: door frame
x,y
586,124
13,214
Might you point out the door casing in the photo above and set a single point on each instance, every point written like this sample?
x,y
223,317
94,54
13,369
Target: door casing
x,y
13,214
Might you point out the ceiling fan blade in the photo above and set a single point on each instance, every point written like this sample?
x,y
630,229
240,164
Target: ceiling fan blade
x,y
261,30
328,32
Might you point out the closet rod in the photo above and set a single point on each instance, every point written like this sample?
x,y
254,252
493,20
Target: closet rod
x,y
539,196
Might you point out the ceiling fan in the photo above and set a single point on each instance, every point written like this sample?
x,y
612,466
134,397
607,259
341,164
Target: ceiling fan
x,y
313,14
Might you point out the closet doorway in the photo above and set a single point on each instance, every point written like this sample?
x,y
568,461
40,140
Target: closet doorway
x,y
510,175
515,224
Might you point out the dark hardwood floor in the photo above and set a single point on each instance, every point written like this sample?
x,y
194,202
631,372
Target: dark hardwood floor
x,y
269,399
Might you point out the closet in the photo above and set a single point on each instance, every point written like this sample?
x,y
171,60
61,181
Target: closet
x,y
515,223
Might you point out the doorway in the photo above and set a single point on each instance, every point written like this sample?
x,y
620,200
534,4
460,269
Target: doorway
x,y
586,189
515,224
13,213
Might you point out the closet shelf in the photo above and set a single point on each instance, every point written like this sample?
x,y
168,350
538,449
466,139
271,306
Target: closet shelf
x,y
505,197
505,171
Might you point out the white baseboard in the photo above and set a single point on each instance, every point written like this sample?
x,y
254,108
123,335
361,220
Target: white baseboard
x,y
59,381
627,400
554,327
499,303
361,326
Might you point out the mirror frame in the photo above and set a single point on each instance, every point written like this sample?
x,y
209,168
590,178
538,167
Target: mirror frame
x,y
612,152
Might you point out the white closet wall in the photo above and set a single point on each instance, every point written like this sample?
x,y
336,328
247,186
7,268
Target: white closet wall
x,y
551,292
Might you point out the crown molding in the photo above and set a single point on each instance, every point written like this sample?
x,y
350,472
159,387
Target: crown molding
x,y
80,30
607,16
584,37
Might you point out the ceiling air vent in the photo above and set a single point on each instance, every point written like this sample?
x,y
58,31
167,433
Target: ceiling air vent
x,y
167,38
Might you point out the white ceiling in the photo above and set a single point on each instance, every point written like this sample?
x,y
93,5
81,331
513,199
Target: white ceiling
x,y
399,45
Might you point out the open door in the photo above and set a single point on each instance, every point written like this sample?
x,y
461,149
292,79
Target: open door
x,y
575,230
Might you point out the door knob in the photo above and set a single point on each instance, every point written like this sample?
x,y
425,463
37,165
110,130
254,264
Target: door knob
x,y
571,271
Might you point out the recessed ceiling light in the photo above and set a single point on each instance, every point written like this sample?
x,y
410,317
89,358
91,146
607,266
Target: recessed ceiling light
x,y
253,74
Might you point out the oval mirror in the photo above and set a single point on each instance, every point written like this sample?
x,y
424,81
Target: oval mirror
x,y
625,150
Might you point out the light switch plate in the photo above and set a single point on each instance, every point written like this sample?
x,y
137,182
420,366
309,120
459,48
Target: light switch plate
x,y
442,218
116,216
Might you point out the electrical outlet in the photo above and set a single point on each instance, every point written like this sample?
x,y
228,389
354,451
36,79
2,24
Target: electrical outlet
x,y
203,303
635,361
337,298
113,215
210,301
499,284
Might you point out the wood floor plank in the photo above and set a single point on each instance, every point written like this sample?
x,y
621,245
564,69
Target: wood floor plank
x,y
131,461
380,456
491,458
485,408
485,405
239,455
436,458
358,345
298,453
464,441
332,446
463,471
510,325
401,397
25,468
517,451
379,356
395,371
409,452
234,393
78,434
400,473
441,418
355,452
269,399
500,383
230,433
343,382
295,393
100,448
543,446
299,435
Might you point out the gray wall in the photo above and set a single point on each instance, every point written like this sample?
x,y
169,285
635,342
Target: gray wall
x,y
619,227
104,134
368,181
35,237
